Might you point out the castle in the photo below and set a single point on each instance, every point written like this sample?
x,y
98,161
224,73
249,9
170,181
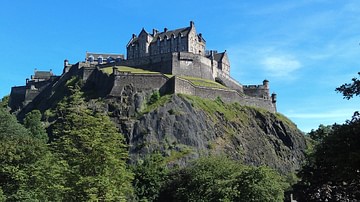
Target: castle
x,y
171,61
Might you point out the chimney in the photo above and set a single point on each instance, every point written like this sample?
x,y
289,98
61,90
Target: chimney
x,y
154,32
165,29
133,36
192,23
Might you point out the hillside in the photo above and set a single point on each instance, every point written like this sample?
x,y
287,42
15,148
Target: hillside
x,y
186,127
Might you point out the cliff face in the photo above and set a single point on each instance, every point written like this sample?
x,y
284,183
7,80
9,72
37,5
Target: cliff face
x,y
185,127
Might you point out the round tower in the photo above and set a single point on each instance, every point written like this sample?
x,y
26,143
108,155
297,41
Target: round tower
x,y
273,97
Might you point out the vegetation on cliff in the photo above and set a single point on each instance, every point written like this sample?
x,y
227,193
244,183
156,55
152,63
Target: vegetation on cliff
x,y
181,148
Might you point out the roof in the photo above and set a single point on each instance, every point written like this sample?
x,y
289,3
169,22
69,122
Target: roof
x,y
183,31
42,74
104,55
219,56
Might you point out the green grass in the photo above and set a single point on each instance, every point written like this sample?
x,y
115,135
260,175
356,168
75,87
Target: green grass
x,y
160,102
285,120
211,107
203,82
109,70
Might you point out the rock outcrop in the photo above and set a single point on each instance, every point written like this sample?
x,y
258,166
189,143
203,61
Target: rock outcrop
x,y
185,127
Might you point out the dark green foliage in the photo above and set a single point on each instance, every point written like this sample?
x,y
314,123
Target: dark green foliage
x,y
94,151
332,171
27,169
4,102
154,97
319,134
150,177
222,179
33,123
350,89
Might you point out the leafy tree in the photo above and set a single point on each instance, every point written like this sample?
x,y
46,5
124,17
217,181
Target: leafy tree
x,y
4,102
319,134
28,171
150,177
332,171
94,151
32,122
350,89
222,179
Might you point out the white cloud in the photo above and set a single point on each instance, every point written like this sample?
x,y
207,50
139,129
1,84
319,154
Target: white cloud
x,y
342,115
280,66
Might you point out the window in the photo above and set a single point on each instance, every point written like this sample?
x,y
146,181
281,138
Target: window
x,y
100,59
91,58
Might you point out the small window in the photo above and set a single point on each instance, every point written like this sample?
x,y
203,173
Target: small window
x,y
91,58
100,59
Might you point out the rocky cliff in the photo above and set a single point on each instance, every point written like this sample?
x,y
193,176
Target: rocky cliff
x,y
185,127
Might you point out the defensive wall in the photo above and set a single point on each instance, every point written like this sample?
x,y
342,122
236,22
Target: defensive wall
x,y
113,85
184,86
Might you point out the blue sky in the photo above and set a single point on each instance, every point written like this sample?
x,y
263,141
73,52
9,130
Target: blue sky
x,y
306,48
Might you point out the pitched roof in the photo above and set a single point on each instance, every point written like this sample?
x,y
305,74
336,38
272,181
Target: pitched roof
x,y
219,56
168,33
183,31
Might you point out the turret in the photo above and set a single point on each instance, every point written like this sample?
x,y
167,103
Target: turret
x,y
273,97
66,62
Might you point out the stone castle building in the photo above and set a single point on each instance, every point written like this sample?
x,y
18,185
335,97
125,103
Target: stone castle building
x,y
174,56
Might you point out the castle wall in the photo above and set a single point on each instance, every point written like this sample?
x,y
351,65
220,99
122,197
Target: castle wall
x,y
158,63
17,97
186,87
259,91
229,82
141,82
194,65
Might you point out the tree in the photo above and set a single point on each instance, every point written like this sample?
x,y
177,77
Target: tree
x,y
93,149
5,102
319,134
222,179
28,170
150,177
331,172
350,89
32,122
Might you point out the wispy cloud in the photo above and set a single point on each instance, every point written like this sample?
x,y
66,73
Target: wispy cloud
x,y
281,66
342,114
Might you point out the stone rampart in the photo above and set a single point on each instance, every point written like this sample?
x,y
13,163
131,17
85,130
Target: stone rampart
x,y
227,95
190,64
141,82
